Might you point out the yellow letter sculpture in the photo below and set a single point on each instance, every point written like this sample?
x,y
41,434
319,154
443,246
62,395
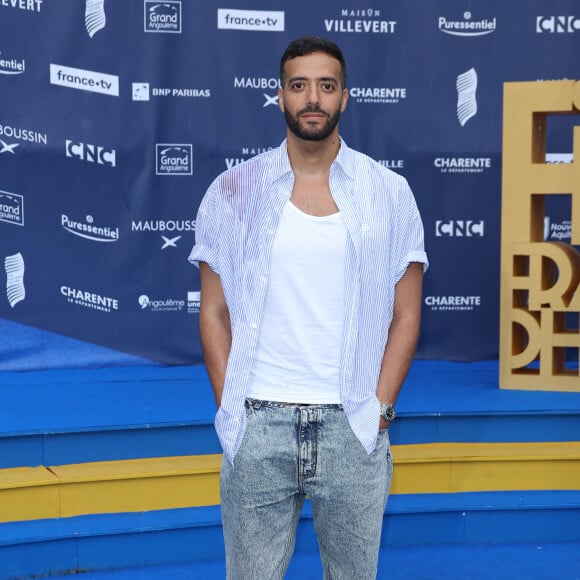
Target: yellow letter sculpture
x,y
540,290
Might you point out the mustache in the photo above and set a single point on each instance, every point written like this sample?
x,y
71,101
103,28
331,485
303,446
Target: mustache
x,y
312,109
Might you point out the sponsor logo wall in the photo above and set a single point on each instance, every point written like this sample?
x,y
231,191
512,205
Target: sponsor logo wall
x,y
113,130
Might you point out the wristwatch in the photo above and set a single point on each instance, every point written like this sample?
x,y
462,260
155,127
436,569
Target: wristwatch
x,y
388,412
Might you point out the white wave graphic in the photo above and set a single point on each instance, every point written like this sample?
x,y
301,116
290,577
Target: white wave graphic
x,y
14,267
95,18
466,100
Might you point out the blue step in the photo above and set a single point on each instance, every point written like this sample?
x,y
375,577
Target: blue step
x,y
194,534
75,416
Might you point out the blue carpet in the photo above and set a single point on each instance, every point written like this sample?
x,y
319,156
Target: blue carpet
x,y
465,562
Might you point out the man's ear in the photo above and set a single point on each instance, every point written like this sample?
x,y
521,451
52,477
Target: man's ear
x,y
281,99
344,99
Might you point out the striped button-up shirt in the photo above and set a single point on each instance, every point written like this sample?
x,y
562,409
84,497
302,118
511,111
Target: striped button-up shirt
x,y
235,229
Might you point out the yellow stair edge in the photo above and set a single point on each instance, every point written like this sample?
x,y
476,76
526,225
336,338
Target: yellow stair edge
x,y
444,452
187,481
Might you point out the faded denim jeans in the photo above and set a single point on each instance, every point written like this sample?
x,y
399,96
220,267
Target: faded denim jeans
x,y
290,452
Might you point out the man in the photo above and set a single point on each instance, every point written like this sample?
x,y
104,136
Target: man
x,y
311,259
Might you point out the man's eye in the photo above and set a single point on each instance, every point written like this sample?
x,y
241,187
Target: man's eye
x,y
298,86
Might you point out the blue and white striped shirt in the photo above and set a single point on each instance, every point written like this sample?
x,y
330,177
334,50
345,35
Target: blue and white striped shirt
x,y
235,229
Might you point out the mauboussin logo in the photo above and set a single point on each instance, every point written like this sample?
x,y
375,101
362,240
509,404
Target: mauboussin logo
x,y
174,159
160,305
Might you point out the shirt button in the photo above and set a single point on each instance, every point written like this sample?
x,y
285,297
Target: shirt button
x,y
263,279
253,325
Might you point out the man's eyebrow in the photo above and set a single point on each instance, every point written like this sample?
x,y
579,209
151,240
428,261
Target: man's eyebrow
x,y
324,79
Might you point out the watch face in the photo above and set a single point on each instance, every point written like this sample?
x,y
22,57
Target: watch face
x,y
387,412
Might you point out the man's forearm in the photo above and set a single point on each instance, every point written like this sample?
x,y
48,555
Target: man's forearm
x,y
216,340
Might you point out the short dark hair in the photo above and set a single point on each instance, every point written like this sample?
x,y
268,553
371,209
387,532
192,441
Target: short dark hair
x,y
307,45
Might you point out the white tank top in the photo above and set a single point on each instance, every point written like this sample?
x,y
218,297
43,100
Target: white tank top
x,y
298,351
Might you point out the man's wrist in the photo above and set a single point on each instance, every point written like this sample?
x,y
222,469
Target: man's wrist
x,y
388,412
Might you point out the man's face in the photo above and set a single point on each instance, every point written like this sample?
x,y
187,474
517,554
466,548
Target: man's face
x,y
312,98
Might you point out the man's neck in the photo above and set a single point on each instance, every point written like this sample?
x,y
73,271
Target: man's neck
x,y
312,158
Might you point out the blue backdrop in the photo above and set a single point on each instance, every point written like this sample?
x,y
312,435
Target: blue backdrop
x,y
116,116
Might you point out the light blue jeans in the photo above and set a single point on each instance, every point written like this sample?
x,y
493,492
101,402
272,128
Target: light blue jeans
x,y
290,452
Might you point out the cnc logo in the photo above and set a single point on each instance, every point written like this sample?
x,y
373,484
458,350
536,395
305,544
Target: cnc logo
x,y
557,24
89,299
466,85
89,230
459,228
467,26
174,159
14,268
84,80
261,84
193,302
362,21
11,208
457,303
157,305
253,20
380,95
462,164
143,92
11,66
162,16
95,18
246,153
91,153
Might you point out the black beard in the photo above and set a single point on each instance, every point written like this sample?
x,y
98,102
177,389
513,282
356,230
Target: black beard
x,y
312,134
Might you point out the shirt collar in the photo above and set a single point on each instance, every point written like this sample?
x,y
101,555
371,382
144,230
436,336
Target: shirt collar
x,y
344,160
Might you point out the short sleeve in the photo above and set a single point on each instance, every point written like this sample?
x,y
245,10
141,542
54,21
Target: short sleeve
x,y
207,227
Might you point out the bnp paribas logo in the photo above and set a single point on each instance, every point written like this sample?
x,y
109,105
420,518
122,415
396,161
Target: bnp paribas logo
x,y
95,18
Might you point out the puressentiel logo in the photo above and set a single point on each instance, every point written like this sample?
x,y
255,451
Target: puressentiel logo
x,y
89,230
163,16
254,20
174,159
468,26
84,80
11,208
11,66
